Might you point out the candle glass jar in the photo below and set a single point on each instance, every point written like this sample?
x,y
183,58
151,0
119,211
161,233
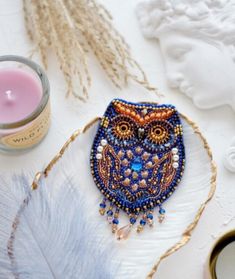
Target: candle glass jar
x,y
19,130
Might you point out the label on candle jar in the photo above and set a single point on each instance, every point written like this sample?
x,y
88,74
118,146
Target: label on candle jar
x,y
32,134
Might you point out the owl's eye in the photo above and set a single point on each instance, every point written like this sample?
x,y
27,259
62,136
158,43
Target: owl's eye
x,y
123,128
159,132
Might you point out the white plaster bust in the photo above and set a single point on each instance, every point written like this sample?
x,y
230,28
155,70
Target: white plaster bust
x,y
197,41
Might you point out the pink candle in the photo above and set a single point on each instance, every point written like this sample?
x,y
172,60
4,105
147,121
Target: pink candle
x,y
20,95
24,103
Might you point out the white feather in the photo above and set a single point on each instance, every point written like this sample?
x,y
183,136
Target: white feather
x,y
53,237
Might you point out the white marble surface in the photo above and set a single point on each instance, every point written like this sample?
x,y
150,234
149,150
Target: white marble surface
x,y
217,125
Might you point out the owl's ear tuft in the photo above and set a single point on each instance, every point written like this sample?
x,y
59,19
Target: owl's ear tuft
x,y
115,103
120,106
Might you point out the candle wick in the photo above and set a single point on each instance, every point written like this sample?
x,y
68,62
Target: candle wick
x,y
9,96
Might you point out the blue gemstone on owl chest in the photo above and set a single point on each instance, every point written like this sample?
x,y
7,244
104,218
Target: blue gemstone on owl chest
x,y
136,165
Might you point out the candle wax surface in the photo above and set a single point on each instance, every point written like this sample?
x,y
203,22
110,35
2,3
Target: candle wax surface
x,y
20,94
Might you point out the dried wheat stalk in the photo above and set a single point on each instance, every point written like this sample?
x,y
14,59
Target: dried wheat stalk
x,y
73,27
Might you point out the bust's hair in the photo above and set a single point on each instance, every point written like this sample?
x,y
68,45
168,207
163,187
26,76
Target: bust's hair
x,y
210,19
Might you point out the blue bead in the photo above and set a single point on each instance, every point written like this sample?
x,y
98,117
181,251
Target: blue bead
x,y
102,205
110,213
150,216
132,220
142,222
115,221
136,165
162,211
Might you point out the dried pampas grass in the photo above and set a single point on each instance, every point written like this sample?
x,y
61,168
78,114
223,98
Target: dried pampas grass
x,y
73,27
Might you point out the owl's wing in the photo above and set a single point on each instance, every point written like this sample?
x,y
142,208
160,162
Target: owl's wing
x,y
108,165
164,165
168,175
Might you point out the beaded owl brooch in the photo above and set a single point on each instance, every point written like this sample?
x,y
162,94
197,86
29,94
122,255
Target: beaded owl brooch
x,y
137,161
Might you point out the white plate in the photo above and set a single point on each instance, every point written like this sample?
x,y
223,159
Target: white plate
x,y
140,254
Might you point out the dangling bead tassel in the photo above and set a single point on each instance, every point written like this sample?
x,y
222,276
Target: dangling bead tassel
x,y
161,217
124,232
102,207
110,214
150,218
142,224
115,221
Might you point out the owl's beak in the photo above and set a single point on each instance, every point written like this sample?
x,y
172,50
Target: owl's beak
x,y
140,133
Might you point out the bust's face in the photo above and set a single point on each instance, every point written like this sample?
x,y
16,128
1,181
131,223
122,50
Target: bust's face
x,y
202,71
